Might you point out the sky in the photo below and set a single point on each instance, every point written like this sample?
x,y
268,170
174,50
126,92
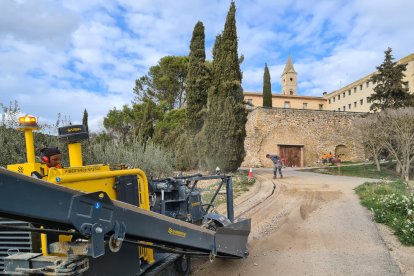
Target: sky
x,y
68,56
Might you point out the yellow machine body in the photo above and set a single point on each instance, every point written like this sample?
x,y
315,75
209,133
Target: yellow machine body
x,y
82,178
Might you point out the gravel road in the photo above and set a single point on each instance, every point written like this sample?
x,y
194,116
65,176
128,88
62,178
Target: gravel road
x,y
307,224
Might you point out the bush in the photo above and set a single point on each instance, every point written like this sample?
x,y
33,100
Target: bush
x,y
151,159
391,204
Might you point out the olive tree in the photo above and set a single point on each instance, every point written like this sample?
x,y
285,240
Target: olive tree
x,y
397,136
369,129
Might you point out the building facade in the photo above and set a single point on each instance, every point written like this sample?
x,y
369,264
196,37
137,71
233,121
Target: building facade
x,y
300,137
288,98
355,97
301,128
286,101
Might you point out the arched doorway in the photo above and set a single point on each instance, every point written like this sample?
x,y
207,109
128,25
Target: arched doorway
x,y
342,152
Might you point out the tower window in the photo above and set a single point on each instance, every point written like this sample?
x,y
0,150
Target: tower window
x,y
287,104
291,92
291,79
249,103
406,84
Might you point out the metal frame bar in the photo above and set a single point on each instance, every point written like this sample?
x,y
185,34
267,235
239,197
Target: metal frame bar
x,y
95,215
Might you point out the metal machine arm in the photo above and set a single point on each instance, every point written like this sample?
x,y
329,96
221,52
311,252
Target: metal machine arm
x,y
95,215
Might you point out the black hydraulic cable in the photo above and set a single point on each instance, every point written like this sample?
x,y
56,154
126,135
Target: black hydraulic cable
x,y
174,250
40,230
166,249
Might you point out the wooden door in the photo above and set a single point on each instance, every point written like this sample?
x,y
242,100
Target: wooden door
x,y
291,155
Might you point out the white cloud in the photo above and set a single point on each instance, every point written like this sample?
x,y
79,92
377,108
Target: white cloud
x,y
28,21
64,56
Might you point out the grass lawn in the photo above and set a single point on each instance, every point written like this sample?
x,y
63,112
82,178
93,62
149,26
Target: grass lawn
x,y
362,170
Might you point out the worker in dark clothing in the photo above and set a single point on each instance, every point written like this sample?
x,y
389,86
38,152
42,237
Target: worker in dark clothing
x,y
277,165
51,157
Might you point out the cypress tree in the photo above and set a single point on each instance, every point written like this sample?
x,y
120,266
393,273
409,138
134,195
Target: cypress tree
x,y
389,91
85,120
267,88
224,129
198,79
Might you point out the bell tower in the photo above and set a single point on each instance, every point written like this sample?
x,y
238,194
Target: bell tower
x,y
289,79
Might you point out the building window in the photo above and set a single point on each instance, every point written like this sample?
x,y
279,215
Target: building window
x,y
349,92
287,105
329,101
360,87
305,105
405,84
367,83
291,92
349,106
343,95
355,104
361,101
368,99
343,108
339,109
291,79
249,103
339,97
354,89
320,106
333,99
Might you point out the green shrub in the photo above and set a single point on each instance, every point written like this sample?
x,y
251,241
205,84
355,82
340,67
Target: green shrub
x,y
151,159
391,204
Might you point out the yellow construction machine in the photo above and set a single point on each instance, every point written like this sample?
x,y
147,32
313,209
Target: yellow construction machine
x,y
95,220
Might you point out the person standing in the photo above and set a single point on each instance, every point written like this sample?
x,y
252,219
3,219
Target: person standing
x,y
277,165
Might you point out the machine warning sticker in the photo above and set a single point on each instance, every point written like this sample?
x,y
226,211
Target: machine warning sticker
x,y
82,169
177,233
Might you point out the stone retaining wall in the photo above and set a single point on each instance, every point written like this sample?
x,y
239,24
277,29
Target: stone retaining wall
x,y
318,131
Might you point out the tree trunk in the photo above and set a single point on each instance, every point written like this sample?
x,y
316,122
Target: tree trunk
x,y
398,168
377,162
405,172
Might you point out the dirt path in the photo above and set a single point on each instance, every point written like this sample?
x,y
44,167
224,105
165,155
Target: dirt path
x,y
308,224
